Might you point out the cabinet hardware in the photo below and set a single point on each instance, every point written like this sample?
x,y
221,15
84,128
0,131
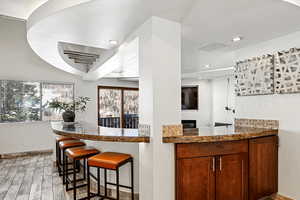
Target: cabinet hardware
x,y
214,164
220,163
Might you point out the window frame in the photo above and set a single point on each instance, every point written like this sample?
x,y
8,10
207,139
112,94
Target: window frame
x,y
41,82
122,125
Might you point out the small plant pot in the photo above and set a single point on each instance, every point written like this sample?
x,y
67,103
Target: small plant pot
x,y
68,116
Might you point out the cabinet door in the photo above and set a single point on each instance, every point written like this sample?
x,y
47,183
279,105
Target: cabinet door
x,y
232,177
263,173
195,178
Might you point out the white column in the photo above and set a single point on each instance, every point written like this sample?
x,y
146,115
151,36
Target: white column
x,y
160,88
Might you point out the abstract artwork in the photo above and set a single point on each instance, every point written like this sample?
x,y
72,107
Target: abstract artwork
x,y
287,71
255,76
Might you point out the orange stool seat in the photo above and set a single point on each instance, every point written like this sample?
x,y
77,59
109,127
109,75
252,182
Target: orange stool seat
x,y
81,152
70,143
109,160
63,138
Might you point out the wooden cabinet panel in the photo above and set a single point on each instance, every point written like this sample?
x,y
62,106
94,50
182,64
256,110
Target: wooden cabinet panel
x,y
232,177
210,149
263,172
242,170
195,179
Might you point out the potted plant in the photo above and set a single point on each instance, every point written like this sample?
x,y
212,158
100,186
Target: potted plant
x,y
69,109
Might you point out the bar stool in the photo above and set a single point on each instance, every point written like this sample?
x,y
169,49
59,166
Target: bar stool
x,y
64,145
58,139
77,154
109,161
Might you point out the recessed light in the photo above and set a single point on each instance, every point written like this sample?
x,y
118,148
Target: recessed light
x,y
237,39
113,42
207,66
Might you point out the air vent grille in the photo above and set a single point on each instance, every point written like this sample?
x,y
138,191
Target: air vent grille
x,y
82,57
212,47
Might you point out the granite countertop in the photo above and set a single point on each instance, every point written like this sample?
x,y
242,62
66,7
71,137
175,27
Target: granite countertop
x,y
86,131
216,134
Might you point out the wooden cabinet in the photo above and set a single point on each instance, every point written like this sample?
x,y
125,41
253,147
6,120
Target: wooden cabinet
x,y
191,181
263,154
237,170
232,177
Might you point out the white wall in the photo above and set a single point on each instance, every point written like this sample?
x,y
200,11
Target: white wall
x,y
204,114
222,95
284,108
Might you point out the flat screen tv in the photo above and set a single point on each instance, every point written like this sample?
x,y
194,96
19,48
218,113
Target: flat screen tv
x,y
189,98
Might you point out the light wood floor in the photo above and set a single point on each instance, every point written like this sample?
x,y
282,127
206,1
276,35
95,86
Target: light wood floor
x,y
31,178
36,178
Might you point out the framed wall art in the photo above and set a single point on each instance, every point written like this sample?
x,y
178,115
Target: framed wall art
x,y
255,76
287,71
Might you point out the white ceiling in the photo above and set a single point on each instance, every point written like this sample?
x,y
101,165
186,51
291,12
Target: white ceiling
x,y
19,8
203,21
211,21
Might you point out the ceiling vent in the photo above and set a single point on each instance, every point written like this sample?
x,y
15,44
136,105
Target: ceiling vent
x,y
212,47
81,57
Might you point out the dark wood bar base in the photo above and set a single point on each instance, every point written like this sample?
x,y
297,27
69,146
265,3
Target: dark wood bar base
x,y
239,170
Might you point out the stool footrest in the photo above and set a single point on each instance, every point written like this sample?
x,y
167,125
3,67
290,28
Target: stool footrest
x,y
77,186
124,186
102,197
91,196
71,181
69,170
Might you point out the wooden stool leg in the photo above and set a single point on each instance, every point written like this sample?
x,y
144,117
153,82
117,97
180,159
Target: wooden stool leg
x,y
88,183
132,181
118,184
74,179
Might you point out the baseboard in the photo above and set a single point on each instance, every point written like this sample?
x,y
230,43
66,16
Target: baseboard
x,y
276,197
23,154
281,197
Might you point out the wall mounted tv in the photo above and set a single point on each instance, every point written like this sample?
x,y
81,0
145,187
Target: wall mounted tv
x,y
189,98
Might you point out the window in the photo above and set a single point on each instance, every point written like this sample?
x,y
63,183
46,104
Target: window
x,y
22,101
61,92
118,107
